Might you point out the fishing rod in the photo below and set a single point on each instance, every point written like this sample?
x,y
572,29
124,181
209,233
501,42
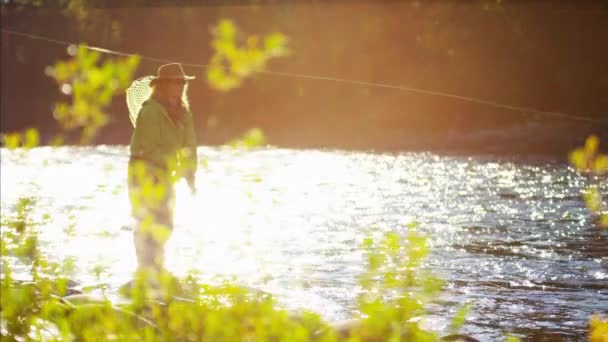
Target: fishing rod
x,y
513,108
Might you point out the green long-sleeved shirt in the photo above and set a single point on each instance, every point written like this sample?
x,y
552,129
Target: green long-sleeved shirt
x,y
161,142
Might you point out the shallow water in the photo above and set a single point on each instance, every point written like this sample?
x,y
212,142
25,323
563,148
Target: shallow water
x,y
510,236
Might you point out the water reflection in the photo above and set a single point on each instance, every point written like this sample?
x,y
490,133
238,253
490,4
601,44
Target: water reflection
x,y
512,237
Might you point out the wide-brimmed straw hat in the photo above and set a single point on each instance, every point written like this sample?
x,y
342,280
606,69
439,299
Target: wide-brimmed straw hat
x,y
171,71
141,89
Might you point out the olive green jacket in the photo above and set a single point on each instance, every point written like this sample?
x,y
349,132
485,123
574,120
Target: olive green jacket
x,y
159,141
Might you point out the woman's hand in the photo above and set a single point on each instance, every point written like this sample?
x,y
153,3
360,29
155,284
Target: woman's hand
x,y
192,184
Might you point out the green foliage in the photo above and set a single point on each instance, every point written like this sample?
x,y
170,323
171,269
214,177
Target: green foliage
x,y
28,139
588,160
396,288
27,305
460,318
232,63
91,85
251,139
162,307
42,307
598,329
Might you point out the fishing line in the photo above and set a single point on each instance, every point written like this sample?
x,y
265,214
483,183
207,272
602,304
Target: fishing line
x,y
519,109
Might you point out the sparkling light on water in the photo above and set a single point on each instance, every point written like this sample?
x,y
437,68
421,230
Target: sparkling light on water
x,y
513,237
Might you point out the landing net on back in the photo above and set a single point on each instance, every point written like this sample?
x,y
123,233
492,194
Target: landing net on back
x,y
137,93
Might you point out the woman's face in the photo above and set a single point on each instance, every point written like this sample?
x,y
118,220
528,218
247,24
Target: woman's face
x,y
175,88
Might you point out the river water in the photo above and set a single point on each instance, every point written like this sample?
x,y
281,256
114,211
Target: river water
x,y
510,236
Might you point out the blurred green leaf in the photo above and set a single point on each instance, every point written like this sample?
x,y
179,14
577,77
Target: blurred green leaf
x,y
589,159
231,63
226,30
12,140
32,138
275,44
593,199
603,221
598,326
578,158
601,164
591,144
91,86
460,317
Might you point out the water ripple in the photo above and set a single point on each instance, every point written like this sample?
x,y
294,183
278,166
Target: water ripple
x,y
511,236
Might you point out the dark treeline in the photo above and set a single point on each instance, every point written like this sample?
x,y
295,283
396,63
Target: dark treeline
x,y
551,56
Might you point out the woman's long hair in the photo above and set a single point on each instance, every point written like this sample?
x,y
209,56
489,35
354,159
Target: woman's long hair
x,y
160,93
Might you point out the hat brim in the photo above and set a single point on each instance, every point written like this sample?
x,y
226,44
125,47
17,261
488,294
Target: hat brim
x,y
156,79
185,78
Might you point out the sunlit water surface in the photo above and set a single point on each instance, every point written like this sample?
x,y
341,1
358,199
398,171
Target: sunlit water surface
x,y
510,236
